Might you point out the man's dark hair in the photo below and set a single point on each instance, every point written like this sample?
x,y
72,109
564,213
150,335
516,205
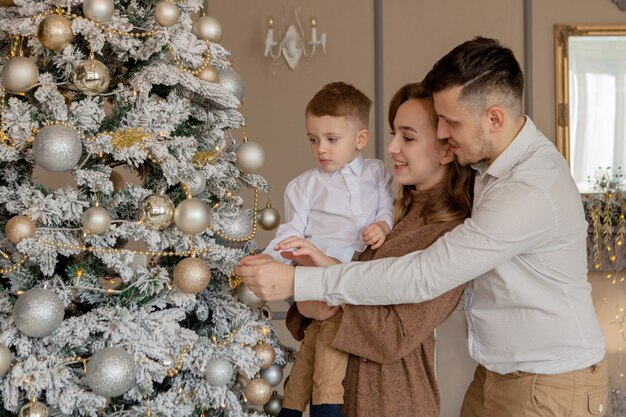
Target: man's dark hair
x,y
483,67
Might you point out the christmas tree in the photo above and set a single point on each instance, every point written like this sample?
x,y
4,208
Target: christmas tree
x,y
91,322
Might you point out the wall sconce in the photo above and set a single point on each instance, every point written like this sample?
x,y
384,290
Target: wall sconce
x,y
292,46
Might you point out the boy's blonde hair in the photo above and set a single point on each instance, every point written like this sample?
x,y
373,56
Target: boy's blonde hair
x,y
339,99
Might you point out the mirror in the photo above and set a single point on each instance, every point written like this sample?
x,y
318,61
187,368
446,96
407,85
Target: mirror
x,y
591,98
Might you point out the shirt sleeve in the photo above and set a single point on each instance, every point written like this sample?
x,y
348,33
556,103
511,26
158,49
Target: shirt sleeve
x,y
297,210
385,198
512,218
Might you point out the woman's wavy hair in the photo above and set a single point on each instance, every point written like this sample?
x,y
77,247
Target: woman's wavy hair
x,y
456,202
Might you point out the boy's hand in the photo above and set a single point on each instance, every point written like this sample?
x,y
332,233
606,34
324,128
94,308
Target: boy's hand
x,y
374,234
304,252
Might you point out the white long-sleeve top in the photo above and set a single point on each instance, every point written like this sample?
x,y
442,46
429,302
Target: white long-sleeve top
x,y
331,209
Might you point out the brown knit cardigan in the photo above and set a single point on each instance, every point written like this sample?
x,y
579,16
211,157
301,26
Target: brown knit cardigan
x,y
391,365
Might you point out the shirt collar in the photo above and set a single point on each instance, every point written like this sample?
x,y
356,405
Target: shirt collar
x,y
355,166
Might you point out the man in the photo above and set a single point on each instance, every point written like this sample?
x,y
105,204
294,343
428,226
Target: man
x,y
532,326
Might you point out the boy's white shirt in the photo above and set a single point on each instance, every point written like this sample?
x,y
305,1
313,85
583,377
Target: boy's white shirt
x,y
331,209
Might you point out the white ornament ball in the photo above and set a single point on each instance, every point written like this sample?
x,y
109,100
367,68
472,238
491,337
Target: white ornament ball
x,y
57,148
91,76
111,372
250,157
273,374
98,10
274,405
258,392
38,312
197,184
5,359
96,220
231,82
268,218
192,216
20,74
166,13
207,28
34,409
219,372
248,297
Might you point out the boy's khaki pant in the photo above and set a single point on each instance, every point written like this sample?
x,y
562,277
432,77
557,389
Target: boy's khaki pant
x,y
319,370
581,393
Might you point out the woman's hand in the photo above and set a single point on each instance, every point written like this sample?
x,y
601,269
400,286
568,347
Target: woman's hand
x,y
317,310
305,253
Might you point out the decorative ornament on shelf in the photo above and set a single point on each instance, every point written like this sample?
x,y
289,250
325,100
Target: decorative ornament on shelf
x,y
268,218
192,275
219,372
19,228
273,374
99,10
91,76
5,359
207,28
55,32
231,82
20,74
258,392
57,148
156,211
246,296
96,220
38,312
266,353
250,157
192,216
166,13
111,372
34,409
274,405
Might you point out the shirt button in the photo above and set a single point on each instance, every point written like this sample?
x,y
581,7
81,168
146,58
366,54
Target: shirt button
x,y
601,407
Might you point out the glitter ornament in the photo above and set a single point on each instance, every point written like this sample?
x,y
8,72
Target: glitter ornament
x,y
98,10
55,32
34,409
250,157
273,374
96,220
231,82
207,28
258,392
192,216
91,76
248,297
19,228
38,312
5,359
208,74
266,354
274,405
192,275
156,212
219,372
166,13
268,218
19,74
111,372
57,148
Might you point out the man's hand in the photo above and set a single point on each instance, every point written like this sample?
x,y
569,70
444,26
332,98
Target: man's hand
x,y
317,310
374,234
267,278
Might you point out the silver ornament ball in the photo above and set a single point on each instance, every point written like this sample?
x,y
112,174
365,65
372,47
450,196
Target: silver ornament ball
x,y
34,409
156,212
38,312
5,359
166,13
235,224
111,372
196,184
231,82
192,275
91,77
258,392
246,296
98,10
96,220
192,216
219,372
250,157
268,218
20,74
57,148
273,374
207,28
274,405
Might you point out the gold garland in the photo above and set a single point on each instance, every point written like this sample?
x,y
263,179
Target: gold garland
x,y
194,72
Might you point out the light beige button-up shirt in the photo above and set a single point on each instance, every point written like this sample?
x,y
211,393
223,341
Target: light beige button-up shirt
x,y
527,302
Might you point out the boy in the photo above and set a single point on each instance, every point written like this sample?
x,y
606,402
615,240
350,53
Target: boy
x,y
340,207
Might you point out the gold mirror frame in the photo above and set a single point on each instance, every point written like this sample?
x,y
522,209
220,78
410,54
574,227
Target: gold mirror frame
x,y
561,47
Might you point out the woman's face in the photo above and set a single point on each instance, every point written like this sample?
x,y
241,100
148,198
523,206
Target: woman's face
x,y
419,158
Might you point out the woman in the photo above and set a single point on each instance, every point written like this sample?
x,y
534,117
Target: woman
x,y
391,364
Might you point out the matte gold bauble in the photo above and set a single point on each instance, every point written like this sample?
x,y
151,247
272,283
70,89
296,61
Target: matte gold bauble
x,y
19,228
258,391
98,10
266,354
91,76
208,74
156,212
118,180
207,28
20,74
192,216
55,32
166,13
268,218
34,409
192,275
96,220
6,3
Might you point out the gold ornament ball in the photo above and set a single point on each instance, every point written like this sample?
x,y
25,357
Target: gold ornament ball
x,y
20,74
6,3
96,220
166,13
34,409
241,381
19,228
192,216
258,391
156,212
192,275
117,180
207,28
98,10
208,74
266,354
91,76
268,218
55,32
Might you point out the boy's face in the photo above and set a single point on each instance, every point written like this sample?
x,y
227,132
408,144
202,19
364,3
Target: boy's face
x,y
335,141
